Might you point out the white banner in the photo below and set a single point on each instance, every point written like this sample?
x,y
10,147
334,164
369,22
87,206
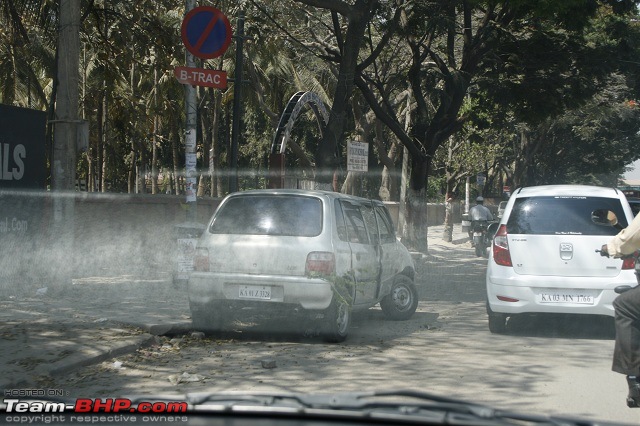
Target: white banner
x,y
357,156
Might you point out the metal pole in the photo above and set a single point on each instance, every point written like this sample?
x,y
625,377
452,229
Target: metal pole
x,y
237,95
190,135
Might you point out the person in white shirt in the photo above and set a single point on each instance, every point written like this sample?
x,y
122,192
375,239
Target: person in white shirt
x,y
479,212
626,353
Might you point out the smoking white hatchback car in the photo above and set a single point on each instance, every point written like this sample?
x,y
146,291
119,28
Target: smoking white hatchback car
x,y
317,252
543,257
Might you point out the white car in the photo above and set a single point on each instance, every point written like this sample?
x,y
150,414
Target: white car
x,y
543,257
321,253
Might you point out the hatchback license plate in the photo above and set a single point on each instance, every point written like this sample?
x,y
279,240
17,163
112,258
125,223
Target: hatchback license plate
x,y
570,297
255,292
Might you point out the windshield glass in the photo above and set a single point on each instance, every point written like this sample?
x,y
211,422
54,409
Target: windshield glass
x,y
232,197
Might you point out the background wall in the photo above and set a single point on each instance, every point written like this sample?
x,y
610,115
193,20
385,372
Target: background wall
x,y
114,234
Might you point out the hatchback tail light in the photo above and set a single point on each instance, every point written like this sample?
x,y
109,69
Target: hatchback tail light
x,y
501,253
201,260
630,262
322,262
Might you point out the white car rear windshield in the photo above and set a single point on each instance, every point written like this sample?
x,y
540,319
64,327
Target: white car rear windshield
x,y
288,215
562,215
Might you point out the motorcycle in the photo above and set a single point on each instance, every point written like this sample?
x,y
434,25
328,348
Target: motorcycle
x,y
606,217
483,232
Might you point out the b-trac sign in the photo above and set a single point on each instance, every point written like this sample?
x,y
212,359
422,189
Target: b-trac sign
x,y
22,148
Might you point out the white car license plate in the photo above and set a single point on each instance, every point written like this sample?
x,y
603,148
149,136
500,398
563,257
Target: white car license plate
x,y
255,292
574,297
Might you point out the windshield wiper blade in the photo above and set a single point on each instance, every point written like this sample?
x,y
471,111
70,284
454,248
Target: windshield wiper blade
x,y
399,404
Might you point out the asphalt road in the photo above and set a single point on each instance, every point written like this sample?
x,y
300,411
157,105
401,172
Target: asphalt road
x,y
543,365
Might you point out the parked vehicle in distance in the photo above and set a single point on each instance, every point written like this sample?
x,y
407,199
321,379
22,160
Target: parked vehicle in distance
x,y
322,253
543,261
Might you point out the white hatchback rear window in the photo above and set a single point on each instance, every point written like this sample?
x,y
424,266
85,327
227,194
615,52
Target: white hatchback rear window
x,y
566,215
287,215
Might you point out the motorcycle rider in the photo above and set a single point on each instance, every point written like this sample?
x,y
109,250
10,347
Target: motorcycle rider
x,y
480,216
626,354
479,213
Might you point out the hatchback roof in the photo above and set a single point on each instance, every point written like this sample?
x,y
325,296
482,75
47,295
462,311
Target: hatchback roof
x,y
288,191
568,190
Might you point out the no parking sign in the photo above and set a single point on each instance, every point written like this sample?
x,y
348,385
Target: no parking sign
x,y
206,32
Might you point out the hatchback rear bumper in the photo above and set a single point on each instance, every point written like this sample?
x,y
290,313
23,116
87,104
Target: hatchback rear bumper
x,y
309,293
523,295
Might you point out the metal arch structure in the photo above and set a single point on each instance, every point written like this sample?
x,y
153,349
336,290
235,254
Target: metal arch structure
x,y
296,105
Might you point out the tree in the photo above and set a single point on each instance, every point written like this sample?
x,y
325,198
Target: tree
x,y
454,48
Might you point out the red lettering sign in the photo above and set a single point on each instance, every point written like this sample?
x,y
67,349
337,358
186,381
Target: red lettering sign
x,y
201,77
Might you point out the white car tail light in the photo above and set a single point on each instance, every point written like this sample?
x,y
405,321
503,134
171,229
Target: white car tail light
x,y
201,260
501,253
322,262
629,262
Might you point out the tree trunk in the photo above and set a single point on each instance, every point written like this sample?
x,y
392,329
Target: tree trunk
x,y
417,204
103,173
156,131
358,21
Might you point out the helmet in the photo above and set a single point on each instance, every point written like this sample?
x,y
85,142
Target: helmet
x,y
479,200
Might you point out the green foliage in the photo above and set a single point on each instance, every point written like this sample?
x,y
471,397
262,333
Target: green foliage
x,y
546,90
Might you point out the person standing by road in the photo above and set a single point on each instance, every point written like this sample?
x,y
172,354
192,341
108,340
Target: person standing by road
x,y
626,353
448,218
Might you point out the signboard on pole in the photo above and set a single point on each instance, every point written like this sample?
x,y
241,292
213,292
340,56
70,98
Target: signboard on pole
x,y
357,156
201,77
206,32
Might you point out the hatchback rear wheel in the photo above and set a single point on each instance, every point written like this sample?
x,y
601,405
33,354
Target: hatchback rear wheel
x,y
497,321
337,320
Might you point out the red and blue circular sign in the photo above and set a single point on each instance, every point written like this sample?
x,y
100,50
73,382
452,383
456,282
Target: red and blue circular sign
x,y
206,32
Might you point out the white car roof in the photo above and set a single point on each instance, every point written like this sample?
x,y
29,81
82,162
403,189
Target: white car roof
x,y
285,191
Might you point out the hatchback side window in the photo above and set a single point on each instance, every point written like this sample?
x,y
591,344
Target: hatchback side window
x,y
340,225
370,221
356,231
384,225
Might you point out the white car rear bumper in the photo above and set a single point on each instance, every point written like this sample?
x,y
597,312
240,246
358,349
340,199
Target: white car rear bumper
x,y
564,295
310,293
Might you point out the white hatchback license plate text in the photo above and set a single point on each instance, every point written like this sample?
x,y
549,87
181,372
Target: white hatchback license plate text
x,y
570,297
255,292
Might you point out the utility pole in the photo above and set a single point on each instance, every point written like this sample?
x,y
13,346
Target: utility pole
x,y
63,168
63,171
190,135
237,104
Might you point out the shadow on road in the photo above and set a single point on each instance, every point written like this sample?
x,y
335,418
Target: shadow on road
x,y
562,326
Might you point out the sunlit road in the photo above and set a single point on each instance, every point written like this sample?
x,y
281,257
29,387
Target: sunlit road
x,y
547,365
